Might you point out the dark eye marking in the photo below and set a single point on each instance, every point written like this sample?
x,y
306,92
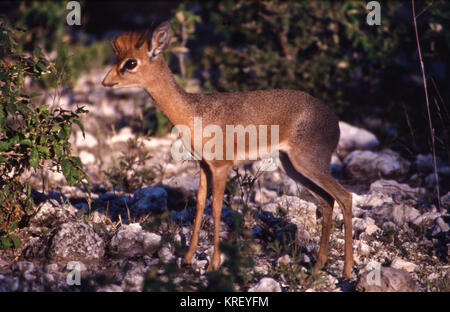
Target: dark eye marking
x,y
130,64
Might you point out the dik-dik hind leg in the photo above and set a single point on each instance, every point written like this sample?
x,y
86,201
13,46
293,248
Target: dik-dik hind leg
x,y
317,170
219,180
201,201
326,203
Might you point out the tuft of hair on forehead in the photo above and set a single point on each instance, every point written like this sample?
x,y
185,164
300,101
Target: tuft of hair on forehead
x,y
131,41
126,42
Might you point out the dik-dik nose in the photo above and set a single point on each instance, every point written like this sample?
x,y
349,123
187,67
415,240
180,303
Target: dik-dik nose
x,y
107,83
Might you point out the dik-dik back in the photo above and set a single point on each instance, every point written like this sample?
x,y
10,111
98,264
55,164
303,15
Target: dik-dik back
x,y
297,113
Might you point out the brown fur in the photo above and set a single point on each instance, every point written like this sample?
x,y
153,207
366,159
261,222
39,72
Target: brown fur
x,y
308,134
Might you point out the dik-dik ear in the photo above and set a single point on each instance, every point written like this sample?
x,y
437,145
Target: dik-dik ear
x,y
160,40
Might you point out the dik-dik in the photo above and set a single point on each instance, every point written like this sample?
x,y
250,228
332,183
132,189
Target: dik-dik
x,y
308,132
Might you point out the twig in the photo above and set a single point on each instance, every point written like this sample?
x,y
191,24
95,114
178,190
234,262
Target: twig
x,y
424,9
444,105
428,105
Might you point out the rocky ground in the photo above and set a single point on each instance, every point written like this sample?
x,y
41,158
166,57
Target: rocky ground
x,y
133,235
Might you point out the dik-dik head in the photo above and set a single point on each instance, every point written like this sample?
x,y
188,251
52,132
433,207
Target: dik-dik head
x,y
138,57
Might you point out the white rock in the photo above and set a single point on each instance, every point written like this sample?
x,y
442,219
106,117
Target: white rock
x,y
76,240
132,240
397,213
426,218
299,212
262,268
338,216
445,200
55,176
88,140
361,224
97,217
165,255
425,163
134,278
124,135
362,248
156,143
386,279
51,213
354,138
103,109
393,188
263,195
199,266
87,158
266,284
372,199
290,187
440,227
372,229
368,165
306,259
401,264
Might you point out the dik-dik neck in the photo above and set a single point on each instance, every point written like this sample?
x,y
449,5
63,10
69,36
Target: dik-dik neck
x,y
169,97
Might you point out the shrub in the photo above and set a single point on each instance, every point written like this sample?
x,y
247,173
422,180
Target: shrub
x,y
30,132
316,46
45,26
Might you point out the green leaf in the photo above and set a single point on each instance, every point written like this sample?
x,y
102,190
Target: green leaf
x,y
2,119
4,146
43,150
65,132
34,158
5,242
57,150
13,226
12,108
80,125
77,161
66,166
14,140
15,240
2,159
42,67
37,52
23,108
56,128
26,142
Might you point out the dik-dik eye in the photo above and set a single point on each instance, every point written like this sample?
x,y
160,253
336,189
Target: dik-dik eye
x,y
129,65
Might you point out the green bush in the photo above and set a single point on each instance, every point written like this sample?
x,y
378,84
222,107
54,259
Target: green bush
x,y
44,24
315,46
30,132
74,59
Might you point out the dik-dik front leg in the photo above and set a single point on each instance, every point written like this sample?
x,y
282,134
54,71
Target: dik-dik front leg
x,y
201,201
